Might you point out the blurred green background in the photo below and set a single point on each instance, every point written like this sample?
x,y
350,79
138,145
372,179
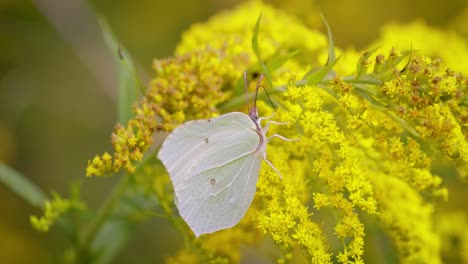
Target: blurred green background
x,y
58,91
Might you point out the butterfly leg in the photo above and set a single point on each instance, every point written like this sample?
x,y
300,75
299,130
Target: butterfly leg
x,y
280,136
265,117
271,165
265,129
277,123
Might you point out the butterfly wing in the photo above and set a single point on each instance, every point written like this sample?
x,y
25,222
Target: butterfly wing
x,y
214,170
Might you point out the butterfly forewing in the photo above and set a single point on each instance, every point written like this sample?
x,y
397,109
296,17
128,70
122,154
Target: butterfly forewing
x,y
214,169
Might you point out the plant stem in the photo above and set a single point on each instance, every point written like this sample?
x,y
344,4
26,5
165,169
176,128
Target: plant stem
x,y
106,209
90,233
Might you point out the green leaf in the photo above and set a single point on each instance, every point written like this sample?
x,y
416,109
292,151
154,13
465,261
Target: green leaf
x,y
331,44
360,67
409,54
403,55
257,50
133,206
278,59
127,81
370,95
315,76
110,240
273,63
239,100
367,78
255,35
22,186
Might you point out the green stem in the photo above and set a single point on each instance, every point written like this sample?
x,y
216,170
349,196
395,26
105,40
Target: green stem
x,y
104,212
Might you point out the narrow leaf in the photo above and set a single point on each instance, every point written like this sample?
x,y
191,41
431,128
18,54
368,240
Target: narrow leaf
x,y
408,54
317,76
255,36
331,43
278,60
273,63
362,91
369,78
111,239
127,81
362,63
257,50
403,55
22,186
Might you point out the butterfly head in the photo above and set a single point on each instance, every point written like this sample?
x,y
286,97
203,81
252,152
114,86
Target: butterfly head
x,y
253,112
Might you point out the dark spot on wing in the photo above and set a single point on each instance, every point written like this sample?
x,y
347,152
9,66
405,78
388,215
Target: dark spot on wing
x,y
209,120
206,140
212,181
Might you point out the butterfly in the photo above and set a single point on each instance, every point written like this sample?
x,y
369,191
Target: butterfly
x,y
214,166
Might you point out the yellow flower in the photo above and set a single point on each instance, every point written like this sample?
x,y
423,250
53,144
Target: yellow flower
x,y
433,42
408,219
183,256
365,146
233,31
55,209
194,94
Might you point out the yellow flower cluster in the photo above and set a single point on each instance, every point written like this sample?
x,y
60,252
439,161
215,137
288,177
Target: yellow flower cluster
x,y
53,210
207,69
408,219
350,149
414,166
400,167
221,247
418,36
365,147
228,243
100,165
285,215
344,156
432,99
341,176
187,87
278,32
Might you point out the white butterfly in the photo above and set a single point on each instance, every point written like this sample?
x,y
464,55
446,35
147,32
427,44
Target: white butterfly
x,y
214,166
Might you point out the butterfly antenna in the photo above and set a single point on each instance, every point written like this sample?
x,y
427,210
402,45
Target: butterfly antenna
x,y
268,96
246,92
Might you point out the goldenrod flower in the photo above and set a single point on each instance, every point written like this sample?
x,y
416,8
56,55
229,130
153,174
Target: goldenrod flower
x,y
53,210
418,36
367,139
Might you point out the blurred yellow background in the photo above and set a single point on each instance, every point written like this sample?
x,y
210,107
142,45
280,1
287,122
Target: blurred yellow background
x,y
58,90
